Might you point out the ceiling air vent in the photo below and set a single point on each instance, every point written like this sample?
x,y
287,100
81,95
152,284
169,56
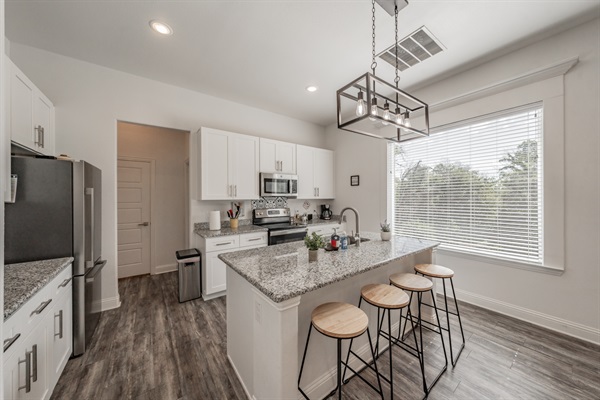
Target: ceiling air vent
x,y
416,47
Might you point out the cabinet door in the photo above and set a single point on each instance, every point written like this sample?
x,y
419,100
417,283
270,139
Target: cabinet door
x,y
306,170
31,353
243,166
214,159
216,274
43,121
268,156
59,328
286,155
324,173
21,108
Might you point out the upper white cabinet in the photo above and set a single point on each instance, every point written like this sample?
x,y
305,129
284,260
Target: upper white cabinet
x,y
315,173
277,157
229,165
31,113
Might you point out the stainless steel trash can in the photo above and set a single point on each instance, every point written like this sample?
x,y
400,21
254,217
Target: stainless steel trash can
x,y
190,276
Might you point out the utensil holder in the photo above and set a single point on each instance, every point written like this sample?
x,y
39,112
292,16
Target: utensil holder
x,y
233,223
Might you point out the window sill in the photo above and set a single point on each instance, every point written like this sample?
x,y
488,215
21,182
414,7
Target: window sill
x,y
502,262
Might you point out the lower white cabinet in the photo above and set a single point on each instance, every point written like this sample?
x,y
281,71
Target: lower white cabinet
x,y
38,341
214,271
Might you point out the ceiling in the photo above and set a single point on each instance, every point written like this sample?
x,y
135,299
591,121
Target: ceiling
x,y
264,53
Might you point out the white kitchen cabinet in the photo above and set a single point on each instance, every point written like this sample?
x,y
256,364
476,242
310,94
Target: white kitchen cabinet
x,y
315,173
214,271
228,165
33,342
277,157
31,113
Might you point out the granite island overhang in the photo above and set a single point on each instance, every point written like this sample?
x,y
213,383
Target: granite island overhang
x,y
271,292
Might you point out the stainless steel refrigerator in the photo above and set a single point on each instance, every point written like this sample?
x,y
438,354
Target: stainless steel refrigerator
x,y
58,213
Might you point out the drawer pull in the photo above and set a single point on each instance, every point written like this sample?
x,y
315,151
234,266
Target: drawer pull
x,y
223,244
254,240
27,362
34,351
41,307
9,342
65,282
60,324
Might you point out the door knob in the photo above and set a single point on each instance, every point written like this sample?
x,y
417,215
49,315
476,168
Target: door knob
x,y
144,224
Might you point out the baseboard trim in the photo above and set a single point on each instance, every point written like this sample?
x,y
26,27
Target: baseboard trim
x,y
106,304
570,328
250,397
163,269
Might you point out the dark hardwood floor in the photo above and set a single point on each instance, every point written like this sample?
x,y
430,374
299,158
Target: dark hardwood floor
x,y
152,347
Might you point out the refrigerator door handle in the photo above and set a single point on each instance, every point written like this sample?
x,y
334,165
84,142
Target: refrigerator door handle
x,y
97,267
90,192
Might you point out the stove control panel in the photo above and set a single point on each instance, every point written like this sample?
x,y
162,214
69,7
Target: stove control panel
x,y
272,212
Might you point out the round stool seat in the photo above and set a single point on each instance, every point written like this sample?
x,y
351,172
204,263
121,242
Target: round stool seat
x,y
340,320
412,282
384,296
435,271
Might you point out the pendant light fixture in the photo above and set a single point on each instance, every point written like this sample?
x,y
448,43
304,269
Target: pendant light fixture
x,y
392,122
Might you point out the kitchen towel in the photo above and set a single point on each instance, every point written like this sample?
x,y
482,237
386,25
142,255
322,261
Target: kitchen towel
x,y
214,223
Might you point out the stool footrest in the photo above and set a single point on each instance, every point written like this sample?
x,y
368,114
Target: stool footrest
x,y
357,373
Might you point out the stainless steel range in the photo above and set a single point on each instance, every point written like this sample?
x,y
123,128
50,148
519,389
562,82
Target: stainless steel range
x,y
281,230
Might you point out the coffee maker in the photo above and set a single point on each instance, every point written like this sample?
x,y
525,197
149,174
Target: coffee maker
x,y
326,212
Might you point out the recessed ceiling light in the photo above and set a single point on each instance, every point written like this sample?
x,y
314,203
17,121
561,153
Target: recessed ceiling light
x,y
312,88
161,27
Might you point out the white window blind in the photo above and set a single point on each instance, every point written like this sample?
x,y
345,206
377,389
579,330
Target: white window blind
x,y
475,185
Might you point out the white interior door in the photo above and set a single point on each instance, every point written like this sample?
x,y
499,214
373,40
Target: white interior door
x,y
133,217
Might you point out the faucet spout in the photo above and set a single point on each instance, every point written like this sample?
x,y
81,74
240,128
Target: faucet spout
x,y
357,221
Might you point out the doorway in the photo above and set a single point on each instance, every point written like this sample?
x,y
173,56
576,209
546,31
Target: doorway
x,y
149,232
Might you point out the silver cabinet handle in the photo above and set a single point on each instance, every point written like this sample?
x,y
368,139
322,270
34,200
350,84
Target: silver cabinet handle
x,y
235,190
34,366
9,342
27,362
223,244
144,224
36,135
229,190
254,240
60,324
65,282
41,307
318,192
43,141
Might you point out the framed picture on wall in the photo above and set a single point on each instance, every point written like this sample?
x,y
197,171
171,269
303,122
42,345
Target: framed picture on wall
x,y
354,180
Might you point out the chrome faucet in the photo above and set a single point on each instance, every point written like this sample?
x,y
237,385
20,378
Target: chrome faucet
x,y
357,235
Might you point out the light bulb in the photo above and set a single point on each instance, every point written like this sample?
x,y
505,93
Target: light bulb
x,y
361,107
373,109
386,113
407,120
399,119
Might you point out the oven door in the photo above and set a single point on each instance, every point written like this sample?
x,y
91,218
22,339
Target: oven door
x,y
287,235
278,185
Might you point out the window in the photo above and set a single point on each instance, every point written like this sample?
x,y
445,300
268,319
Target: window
x,y
475,185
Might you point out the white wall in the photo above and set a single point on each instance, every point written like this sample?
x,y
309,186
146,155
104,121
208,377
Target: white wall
x,y
570,302
168,148
90,99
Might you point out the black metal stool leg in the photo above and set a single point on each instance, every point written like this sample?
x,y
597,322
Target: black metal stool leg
x,y
375,363
420,346
448,321
304,359
459,323
390,352
339,368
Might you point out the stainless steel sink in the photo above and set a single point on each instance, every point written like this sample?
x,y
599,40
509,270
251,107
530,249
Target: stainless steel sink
x,y
351,240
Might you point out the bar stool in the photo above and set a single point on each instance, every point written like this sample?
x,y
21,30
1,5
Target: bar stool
x,y
418,284
443,273
386,298
340,321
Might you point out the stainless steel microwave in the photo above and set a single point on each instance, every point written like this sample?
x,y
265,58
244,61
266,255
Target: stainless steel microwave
x,y
278,185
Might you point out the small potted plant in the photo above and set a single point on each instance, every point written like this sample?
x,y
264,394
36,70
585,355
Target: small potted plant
x,y
313,242
386,234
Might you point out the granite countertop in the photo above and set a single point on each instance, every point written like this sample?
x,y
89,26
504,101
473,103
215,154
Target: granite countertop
x,y
282,272
22,281
226,230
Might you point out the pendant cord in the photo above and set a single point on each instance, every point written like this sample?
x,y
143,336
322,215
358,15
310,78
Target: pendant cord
x,y
397,79
373,62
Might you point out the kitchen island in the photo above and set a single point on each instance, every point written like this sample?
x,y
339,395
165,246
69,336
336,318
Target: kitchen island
x,y
271,294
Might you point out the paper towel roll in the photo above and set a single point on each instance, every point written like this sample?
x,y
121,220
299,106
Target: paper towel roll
x,y
214,223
